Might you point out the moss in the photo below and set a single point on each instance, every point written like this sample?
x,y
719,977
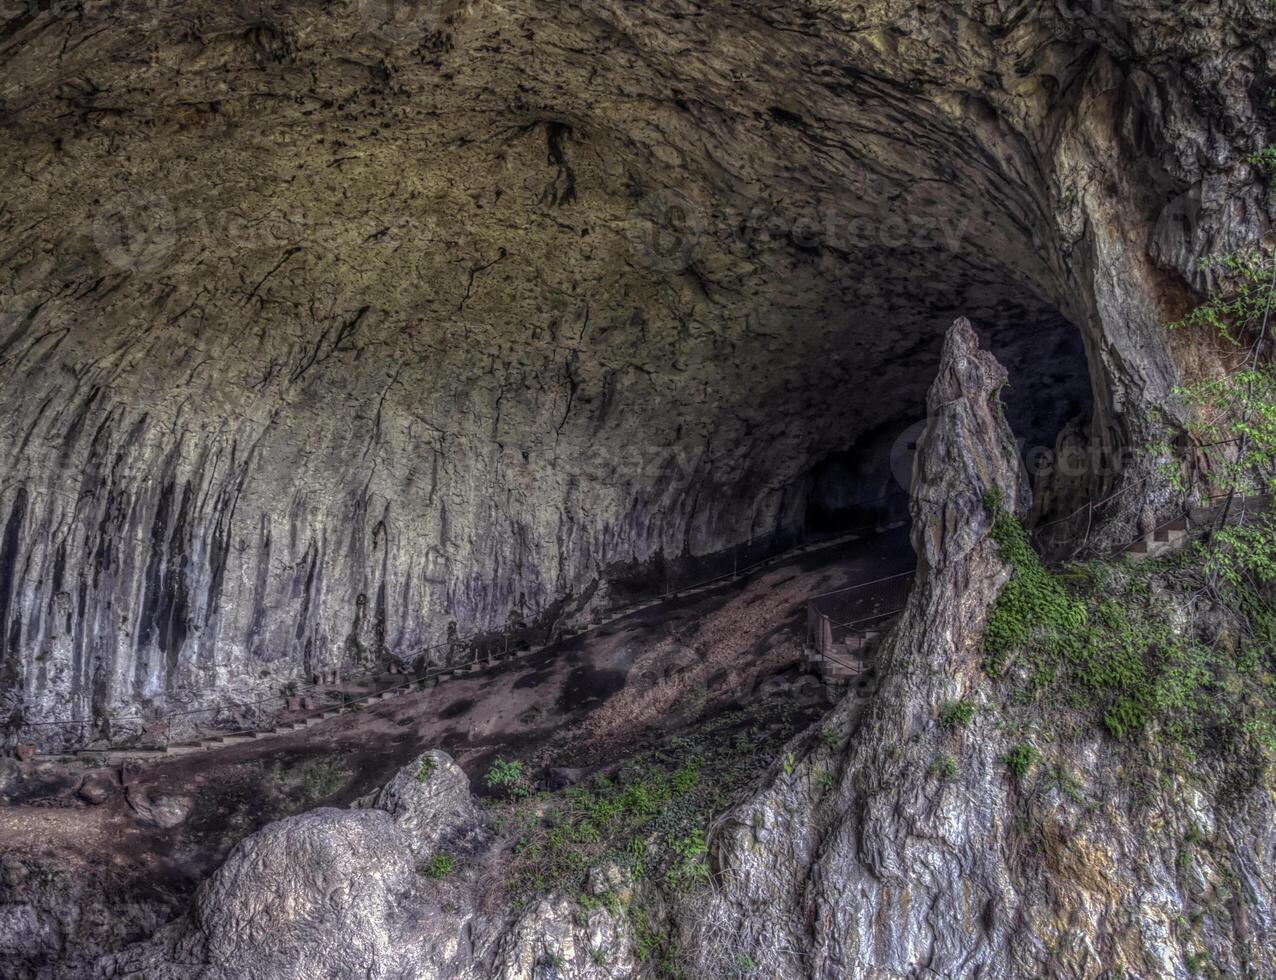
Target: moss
x,y
439,866
1108,639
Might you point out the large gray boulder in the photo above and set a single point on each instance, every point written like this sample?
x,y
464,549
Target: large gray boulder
x,y
334,894
429,800
326,895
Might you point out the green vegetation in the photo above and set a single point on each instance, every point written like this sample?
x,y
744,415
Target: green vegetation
x,y
824,779
427,769
944,767
1033,603
1233,416
1110,639
832,739
688,866
1265,159
956,714
439,866
649,818
507,778
319,778
1020,759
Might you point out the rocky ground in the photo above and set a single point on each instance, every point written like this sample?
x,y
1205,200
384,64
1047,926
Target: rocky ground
x,y
592,702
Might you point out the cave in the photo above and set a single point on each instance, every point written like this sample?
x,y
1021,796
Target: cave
x,y
865,485
282,419
363,337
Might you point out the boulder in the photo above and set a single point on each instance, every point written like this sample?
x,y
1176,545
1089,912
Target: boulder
x,y
164,810
26,782
429,800
99,786
552,939
316,895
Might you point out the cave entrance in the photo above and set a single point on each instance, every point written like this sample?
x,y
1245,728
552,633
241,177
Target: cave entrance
x,y
1048,403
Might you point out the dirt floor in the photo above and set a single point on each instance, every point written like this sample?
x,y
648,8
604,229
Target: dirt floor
x,y
590,701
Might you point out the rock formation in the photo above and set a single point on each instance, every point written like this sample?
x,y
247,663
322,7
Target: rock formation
x,y
323,327
429,800
923,853
338,893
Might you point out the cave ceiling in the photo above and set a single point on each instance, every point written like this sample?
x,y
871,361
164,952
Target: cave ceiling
x,y
325,324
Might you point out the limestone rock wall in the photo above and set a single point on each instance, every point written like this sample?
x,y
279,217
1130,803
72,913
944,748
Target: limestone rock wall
x,y
324,326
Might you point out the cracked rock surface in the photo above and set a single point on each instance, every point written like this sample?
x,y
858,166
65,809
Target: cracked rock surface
x,y
867,857
429,800
324,327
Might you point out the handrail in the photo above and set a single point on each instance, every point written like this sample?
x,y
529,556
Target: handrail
x,y
863,585
432,671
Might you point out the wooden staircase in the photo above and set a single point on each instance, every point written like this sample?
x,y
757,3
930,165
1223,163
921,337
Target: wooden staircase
x,y
1174,533
848,663
1167,537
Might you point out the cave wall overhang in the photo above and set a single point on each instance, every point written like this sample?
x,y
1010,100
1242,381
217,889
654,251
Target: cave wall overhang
x,y
323,330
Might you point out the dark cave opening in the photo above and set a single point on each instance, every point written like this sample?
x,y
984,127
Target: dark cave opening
x,y
865,485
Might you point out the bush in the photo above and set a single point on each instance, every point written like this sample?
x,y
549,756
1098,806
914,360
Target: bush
x,y
956,714
427,769
684,779
506,777
688,866
1021,759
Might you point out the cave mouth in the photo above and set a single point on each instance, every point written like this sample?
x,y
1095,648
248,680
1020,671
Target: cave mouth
x,y
865,485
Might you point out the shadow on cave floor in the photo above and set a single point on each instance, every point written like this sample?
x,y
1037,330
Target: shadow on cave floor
x,y
592,700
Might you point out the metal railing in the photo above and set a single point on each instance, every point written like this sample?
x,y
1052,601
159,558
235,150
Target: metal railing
x,y
158,733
